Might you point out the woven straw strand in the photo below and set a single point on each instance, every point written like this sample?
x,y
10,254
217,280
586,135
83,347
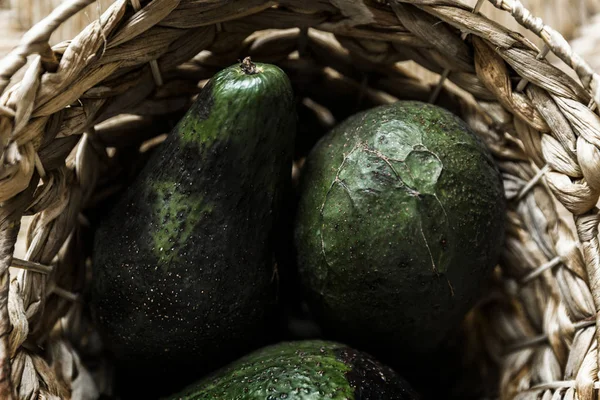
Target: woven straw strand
x,y
9,227
36,40
555,41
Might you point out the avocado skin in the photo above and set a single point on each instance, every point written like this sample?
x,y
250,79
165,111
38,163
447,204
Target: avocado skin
x,y
183,275
400,221
302,370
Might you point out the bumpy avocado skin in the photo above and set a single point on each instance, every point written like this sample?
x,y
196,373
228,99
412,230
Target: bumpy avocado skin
x,y
401,218
302,370
182,269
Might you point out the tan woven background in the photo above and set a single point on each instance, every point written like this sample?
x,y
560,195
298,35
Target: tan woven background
x,y
587,41
9,34
20,15
25,13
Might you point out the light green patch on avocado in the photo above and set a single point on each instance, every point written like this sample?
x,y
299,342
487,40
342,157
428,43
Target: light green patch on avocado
x,y
424,169
176,216
307,370
417,166
202,130
300,374
219,112
398,137
369,181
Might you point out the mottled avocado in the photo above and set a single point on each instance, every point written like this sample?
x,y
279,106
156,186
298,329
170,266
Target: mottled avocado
x,y
302,370
183,269
400,220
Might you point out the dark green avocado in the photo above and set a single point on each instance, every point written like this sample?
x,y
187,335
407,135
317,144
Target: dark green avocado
x,y
302,370
400,220
183,268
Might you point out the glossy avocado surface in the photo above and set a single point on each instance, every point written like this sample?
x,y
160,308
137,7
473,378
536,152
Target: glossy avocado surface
x,y
302,370
400,221
183,272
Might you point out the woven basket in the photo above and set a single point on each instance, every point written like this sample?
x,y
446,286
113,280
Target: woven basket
x,y
574,13
27,13
75,125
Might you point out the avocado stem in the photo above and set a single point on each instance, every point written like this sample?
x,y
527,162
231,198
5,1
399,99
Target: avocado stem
x,y
248,66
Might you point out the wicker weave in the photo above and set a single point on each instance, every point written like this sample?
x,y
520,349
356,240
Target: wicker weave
x,y
27,13
574,13
67,144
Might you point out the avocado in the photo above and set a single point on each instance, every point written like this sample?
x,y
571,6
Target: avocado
x,y
302,370
400,220
183,273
